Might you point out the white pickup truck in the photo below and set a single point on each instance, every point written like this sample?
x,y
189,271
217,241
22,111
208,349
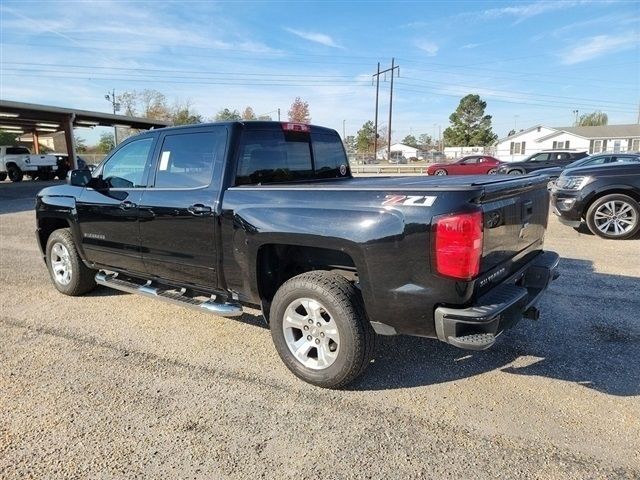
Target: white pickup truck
x,y
16,162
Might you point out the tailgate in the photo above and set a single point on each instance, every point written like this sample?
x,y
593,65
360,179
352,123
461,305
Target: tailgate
x,y
515,221
43,160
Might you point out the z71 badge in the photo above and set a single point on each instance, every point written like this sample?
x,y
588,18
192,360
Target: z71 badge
x,y
414,200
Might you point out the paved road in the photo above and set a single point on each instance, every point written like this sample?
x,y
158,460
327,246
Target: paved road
x,y
112,385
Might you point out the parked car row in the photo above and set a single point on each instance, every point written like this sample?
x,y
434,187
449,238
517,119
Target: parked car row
x,y
601,191
17,161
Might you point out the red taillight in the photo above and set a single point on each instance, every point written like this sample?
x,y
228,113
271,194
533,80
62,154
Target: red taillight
x,y
458,245
295,127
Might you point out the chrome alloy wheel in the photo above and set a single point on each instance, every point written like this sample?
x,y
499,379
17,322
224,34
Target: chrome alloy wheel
x,y
311,333
61,264
615,218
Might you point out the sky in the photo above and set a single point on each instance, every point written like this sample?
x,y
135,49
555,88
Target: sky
x,y
532,62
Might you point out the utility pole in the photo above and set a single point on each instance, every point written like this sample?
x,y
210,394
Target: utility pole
x,y
377,75
375,136
111,98
278,114
344,122
575,123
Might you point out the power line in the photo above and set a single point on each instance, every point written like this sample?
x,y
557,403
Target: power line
x,y
201,72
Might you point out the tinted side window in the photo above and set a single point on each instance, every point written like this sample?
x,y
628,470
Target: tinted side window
x,y
598,161
625,159
125,168
187,159
17,151
541,157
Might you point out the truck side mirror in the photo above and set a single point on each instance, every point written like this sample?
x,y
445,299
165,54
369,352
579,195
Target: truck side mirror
x,y
79,178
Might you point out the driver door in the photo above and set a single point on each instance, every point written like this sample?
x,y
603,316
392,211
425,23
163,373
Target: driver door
x,y
108,213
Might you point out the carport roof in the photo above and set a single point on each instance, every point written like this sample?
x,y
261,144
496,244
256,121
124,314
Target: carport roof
x,y
29,115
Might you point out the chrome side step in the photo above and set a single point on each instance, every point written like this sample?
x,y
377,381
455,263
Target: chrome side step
x,y
177,297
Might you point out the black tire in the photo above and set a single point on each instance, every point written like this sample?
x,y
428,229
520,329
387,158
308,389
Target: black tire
x,y
3,176
440,171
62,173
492,171
82,278
15,174
618,199
342,301
515,172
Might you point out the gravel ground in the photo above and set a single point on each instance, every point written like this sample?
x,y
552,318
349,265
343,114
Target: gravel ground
x,y
113,385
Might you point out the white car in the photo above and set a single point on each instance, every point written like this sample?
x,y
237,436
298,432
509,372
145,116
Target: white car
x,y
15,162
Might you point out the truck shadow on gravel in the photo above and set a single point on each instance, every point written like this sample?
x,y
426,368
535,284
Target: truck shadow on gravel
x,y
589,334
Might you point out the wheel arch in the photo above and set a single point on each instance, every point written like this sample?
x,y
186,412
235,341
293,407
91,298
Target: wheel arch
x,y
278,262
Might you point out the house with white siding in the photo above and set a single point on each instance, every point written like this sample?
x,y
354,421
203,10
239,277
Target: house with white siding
x,y
612,138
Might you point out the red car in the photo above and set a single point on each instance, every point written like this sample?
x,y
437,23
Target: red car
x,y
470,165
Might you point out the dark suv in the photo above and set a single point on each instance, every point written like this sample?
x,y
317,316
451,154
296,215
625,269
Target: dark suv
x,y
544,159
606,196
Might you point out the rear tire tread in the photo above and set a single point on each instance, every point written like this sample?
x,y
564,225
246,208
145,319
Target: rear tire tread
x,y
347,297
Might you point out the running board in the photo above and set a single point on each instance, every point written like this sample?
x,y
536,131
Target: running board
x,y
149,289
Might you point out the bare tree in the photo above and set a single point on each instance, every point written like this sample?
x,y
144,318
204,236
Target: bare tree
x,y
299,111
248,114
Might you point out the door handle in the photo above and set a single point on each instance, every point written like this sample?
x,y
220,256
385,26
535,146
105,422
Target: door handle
x,y
199,209
127,205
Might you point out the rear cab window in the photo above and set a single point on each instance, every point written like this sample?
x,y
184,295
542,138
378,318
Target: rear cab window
x,y
276,155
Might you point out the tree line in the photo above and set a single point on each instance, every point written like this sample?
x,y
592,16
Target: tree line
x,y
153,104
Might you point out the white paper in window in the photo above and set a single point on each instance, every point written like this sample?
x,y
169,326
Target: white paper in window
x,y
164,160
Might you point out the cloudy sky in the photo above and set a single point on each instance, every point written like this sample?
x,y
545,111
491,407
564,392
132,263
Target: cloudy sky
x,y
532,62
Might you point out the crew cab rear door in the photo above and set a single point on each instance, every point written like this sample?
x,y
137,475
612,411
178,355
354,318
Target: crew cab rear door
x,y
179,211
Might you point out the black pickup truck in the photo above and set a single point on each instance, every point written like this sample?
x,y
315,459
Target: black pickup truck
x,y
267,214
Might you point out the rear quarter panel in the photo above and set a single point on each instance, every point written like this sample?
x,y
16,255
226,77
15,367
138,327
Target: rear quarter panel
x,y
389,244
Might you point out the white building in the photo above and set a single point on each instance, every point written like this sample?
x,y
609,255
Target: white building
x,y
614,138
406,150
458,152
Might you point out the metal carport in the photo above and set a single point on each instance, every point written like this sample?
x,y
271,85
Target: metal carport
x,y
32,118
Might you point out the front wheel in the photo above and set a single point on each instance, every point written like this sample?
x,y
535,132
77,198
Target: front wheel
x,y
320,329
614,216
515,172
15,174
69,274
440,171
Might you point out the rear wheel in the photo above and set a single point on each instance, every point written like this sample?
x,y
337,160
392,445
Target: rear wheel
x,y
493,171
320,329
515,172
69,274
440,171
15,174
614,216
3,176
